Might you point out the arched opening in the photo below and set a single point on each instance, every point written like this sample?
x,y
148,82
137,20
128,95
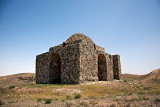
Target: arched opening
x,y
55,69
102,69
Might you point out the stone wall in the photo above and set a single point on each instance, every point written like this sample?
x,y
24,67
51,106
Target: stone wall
x,y
69,58
102,68
42,68
77,60
88,62
70,63
116,67
109,60
55,66
55,69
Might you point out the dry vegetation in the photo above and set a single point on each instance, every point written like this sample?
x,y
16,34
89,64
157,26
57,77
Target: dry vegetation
x,y
132,91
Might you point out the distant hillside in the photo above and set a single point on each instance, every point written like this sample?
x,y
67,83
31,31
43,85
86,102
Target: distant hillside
x,y
153,76
17,79
29,78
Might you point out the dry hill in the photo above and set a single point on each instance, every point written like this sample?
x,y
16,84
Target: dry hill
x,y
153,76
17,79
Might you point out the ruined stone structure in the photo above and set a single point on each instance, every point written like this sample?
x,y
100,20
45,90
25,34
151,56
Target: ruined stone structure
x,y
77,60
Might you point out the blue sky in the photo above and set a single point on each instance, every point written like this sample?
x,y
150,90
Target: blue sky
x,y
130,28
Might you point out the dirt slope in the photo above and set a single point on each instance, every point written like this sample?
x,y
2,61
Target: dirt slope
x,y
17,79
153,76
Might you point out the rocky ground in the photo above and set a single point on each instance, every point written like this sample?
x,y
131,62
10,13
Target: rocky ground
x,y
20,90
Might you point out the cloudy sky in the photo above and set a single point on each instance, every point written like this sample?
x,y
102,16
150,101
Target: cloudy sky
x,y
130,28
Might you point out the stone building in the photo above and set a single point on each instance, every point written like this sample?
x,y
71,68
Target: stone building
x,y
77,60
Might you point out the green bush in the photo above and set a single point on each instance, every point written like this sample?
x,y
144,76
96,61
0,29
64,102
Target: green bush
x,y
39,100
68,97
48,101
62,100
77,96
125,81
11,87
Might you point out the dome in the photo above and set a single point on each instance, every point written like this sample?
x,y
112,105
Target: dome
x,y
78,36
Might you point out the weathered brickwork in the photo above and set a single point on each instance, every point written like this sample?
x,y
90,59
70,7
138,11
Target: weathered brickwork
x,y
77,60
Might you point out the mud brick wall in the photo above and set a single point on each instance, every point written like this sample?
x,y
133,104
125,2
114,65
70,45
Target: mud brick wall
x,y
116,67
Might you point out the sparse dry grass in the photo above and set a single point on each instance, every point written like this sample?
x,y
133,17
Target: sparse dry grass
x,y
1,102
131,92
2,91
115,90
87,91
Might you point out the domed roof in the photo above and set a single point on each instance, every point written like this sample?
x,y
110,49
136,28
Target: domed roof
x,y
78,36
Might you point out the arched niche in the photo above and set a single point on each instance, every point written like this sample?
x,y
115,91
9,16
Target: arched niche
x,y
55,69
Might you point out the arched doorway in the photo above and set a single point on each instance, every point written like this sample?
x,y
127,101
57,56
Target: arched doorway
x,y
55,69
102,69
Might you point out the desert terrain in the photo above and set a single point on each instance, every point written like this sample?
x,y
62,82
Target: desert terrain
x,y
20,90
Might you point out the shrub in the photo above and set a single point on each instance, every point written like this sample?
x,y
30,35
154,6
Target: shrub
x,y
112,105
48,101
140,93
125,81
68,97
145,98
77,96
140,98
11,87
146,88
156,100
39,100
62,100
157,92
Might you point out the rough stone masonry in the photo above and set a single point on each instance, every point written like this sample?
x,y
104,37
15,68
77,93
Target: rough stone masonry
x,y
77,60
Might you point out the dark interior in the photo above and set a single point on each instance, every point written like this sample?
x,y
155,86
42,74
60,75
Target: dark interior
x,y
55,69
101,67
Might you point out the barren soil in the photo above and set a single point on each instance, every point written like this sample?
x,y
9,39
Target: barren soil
x,y
20,90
